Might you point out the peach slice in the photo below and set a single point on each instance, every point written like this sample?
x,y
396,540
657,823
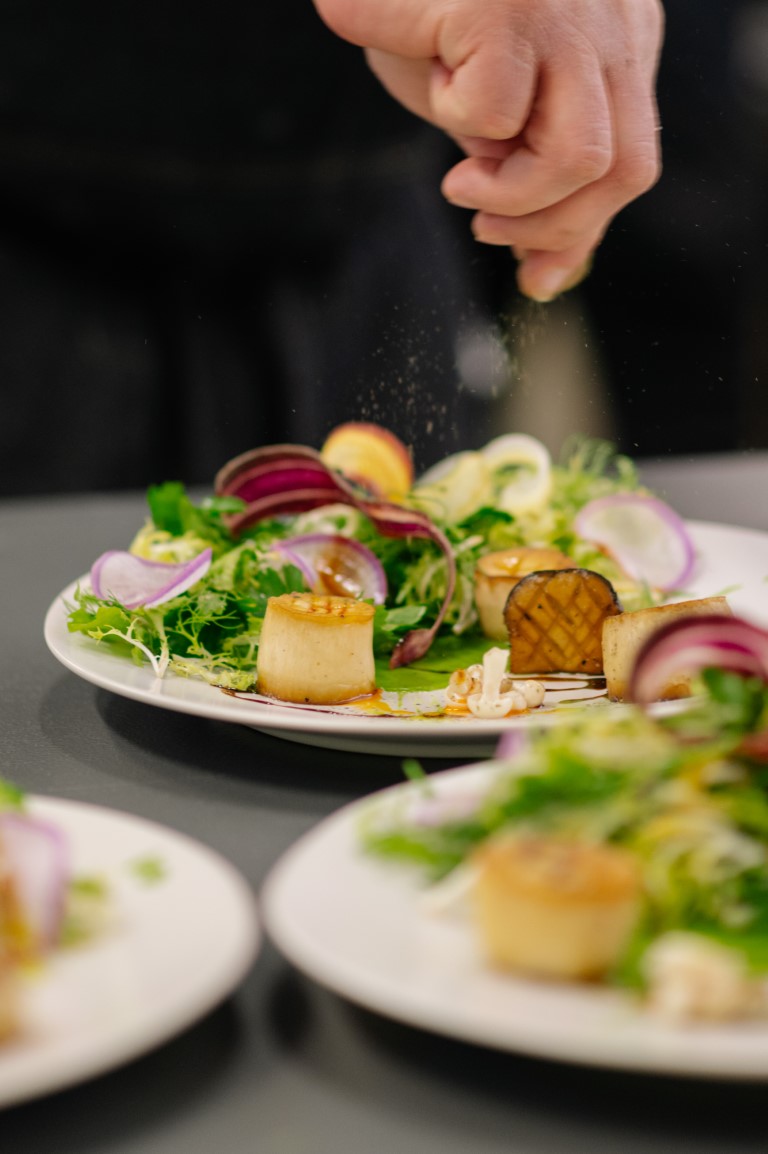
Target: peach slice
x,y
371,456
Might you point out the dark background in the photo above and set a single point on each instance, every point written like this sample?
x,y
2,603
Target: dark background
x,y
217,231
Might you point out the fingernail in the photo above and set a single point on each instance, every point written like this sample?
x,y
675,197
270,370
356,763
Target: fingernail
x,y
457,201
555,281
548,285
451,192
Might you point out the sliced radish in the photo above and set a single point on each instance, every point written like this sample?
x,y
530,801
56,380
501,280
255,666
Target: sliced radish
x,y
686,646
454,488
645,537
134,581
332,563
527,463
36,856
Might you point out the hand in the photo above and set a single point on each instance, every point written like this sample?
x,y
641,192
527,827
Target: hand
x,y
552,101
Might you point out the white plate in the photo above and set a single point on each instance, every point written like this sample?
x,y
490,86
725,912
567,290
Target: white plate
x,y
101,1004
361,927
730,559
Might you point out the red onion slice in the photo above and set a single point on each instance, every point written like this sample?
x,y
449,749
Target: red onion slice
x,y
273,469
247,476
511,743
395,521
37,857
337,564
282,555
277,504
644,535
134,581
686,646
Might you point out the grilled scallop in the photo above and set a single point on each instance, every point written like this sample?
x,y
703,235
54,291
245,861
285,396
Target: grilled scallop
x,y
497,574
624,636
554,620
316,649
554,907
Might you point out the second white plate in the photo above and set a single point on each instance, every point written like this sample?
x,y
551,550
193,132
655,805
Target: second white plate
x,y
361,927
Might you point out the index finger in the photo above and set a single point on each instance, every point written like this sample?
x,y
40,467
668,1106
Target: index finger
x,y
488,93
400,27
484,65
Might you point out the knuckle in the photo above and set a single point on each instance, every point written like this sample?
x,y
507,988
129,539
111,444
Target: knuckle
x,y
637,171
590,162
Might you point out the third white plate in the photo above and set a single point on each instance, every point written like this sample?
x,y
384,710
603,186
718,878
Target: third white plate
x,y
170,951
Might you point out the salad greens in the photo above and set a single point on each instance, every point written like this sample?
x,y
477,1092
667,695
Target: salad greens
x,y
212,630
687,794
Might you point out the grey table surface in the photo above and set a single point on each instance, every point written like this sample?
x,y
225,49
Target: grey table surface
x,y
283,1066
